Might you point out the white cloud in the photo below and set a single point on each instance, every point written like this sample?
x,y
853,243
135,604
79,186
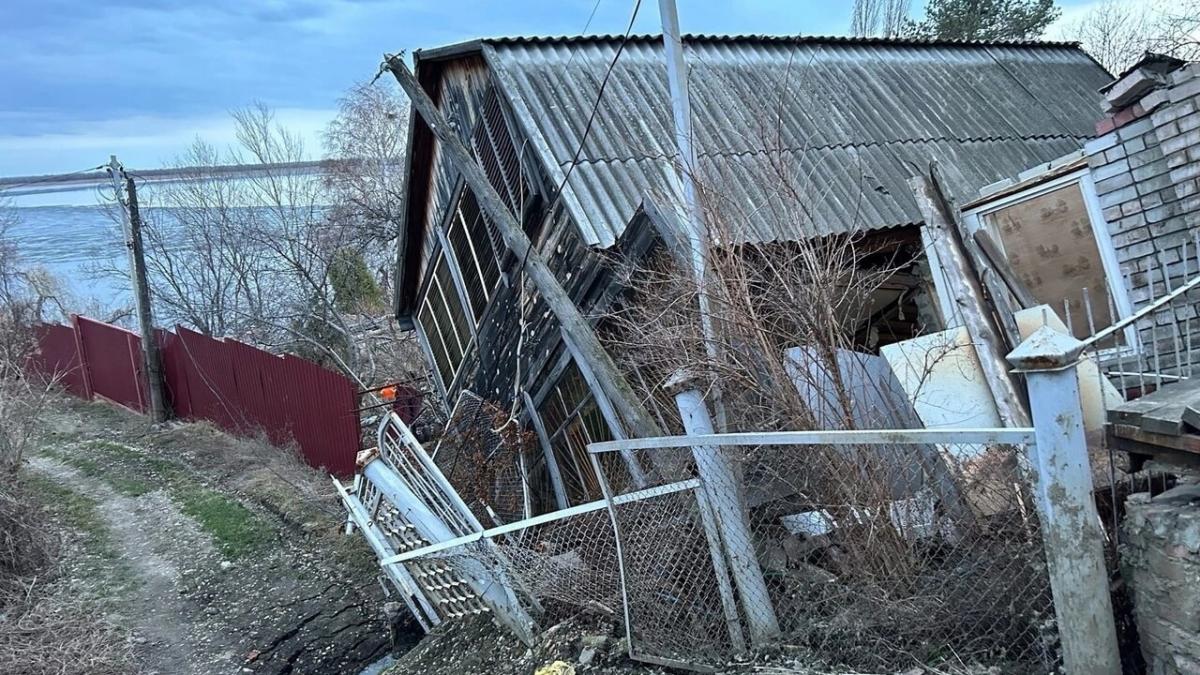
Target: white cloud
x,y
139,141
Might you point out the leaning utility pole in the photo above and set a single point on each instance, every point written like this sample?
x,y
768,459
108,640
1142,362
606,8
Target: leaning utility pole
x,y
131,219
560,303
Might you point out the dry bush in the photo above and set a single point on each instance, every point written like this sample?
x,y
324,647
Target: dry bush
x,y
44,627
22,400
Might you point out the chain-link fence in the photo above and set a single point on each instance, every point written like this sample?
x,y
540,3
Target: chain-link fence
x,y
871,554
866,549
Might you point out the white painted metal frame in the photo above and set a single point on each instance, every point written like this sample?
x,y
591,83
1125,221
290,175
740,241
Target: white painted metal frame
x,y
543,519
915,437
974,220
420,607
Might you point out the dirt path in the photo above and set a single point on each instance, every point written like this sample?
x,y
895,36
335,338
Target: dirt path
x,y
161,547
220,554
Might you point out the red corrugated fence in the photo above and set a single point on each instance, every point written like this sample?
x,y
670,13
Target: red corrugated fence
x,y
240,388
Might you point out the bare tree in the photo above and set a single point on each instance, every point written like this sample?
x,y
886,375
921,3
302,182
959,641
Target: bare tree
x,y
1118,32
886,18
277,256
365,146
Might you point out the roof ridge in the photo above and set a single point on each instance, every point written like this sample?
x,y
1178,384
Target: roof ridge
x,y
788,38
839,146
459,48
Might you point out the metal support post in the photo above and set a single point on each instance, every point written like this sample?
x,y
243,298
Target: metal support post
x,y
1070,526
723,487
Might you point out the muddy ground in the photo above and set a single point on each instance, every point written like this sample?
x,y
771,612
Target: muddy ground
x,y
207,553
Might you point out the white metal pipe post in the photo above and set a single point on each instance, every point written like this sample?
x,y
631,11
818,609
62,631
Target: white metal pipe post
x,y
1070,526
723,487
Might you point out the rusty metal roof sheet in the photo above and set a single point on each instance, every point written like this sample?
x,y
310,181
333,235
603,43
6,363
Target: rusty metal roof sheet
x,y
853,118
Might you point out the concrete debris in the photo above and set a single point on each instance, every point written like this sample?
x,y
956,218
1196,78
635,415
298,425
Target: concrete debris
x,y
1161,561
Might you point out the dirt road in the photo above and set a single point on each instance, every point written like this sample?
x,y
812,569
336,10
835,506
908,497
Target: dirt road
x,y
221,555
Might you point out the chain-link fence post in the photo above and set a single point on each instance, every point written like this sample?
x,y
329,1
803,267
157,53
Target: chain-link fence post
x,y
1070,526
719,477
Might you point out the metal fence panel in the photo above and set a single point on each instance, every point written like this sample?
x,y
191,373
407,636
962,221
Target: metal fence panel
x,y
240,388
870,557
57,356
112,356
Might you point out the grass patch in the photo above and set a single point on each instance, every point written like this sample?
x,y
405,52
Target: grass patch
x,y
236,530
100,560
126,485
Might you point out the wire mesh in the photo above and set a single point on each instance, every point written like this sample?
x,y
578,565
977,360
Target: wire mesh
x,y
557,569
868,555
872,556
486,460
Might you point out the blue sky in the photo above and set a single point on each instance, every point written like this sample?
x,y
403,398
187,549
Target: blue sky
x,y
83,79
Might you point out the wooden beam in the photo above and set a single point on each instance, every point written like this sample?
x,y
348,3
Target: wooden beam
x,y
965,288
569,317
994,257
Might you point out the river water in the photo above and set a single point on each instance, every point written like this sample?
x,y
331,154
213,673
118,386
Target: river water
x,y
81,246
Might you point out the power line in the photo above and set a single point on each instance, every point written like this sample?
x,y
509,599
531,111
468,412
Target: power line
x,y
27,181
591,119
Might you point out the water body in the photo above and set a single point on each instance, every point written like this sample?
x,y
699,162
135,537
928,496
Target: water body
x,y
76,244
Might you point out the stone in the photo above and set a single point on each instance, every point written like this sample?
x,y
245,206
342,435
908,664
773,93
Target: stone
x,y
594,641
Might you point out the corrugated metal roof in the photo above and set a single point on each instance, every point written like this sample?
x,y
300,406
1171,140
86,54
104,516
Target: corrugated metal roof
x,y
856,115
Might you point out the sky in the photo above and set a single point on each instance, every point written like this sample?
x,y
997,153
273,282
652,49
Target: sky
x,y
141,79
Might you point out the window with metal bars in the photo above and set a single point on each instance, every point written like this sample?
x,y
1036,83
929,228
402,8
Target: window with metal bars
x,y
475,252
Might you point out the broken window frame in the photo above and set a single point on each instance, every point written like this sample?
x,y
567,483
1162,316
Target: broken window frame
x,y
974,219
573,418
447,385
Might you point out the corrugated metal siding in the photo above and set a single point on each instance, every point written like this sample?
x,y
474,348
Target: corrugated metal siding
x,y
843,108
112,356
238,387
57,357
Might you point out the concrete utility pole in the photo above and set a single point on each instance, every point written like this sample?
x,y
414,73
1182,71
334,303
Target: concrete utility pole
x,y
132,221
569,317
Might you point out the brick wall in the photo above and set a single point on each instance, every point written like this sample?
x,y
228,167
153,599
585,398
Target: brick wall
x,y
1146,168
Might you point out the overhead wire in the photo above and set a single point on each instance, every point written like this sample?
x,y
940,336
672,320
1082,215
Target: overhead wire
x,y
588,127
50,178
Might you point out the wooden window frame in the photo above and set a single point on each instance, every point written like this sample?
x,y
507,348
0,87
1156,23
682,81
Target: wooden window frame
x,y
469,347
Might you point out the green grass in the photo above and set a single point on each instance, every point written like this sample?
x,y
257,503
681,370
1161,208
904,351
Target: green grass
x,y
126,485
236,530
100,559
76,511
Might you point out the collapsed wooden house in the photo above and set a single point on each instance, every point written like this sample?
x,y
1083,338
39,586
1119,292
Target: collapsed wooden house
x,y
854,118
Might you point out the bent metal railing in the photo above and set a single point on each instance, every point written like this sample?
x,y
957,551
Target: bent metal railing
x,y
852,545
